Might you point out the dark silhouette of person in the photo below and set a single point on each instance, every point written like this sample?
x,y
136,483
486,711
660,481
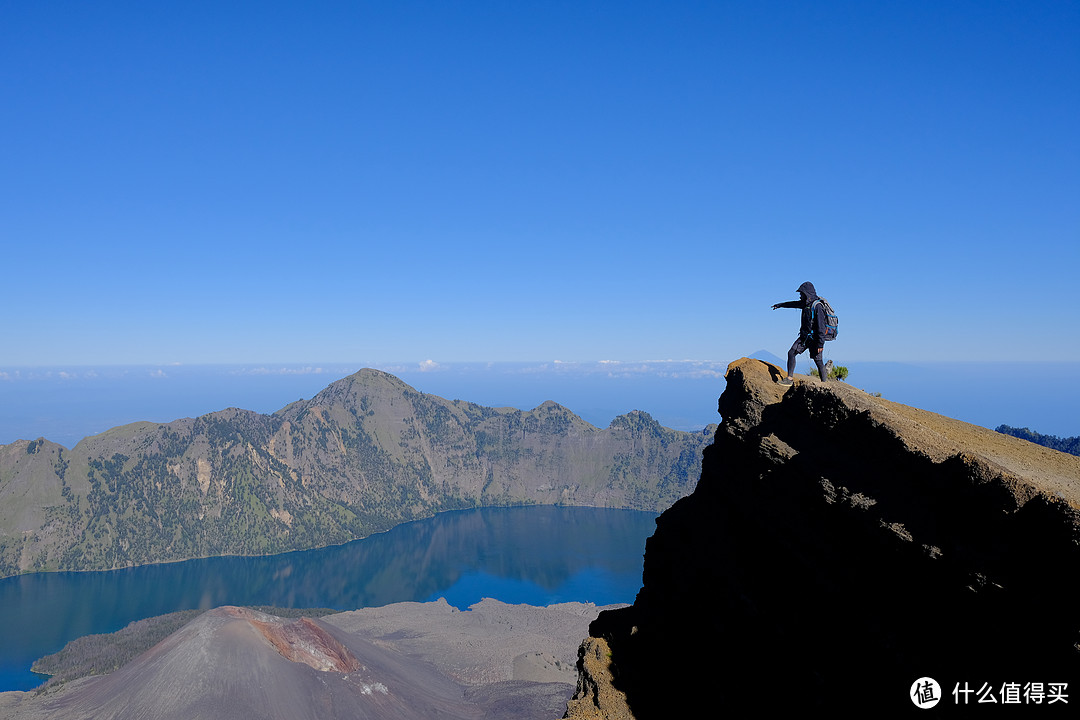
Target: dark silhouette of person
x,y
811,332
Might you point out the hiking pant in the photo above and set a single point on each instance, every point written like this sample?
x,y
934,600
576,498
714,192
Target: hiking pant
x,y
815,348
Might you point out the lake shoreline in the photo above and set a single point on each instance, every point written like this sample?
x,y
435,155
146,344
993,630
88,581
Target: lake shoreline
x,y
592,555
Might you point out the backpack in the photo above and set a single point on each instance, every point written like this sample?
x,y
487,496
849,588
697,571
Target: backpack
x,y
831,321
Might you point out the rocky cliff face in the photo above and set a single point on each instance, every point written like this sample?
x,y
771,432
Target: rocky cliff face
x,y
838,548
365,454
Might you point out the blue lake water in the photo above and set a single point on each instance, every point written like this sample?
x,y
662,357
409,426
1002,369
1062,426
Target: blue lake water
x,y
533,555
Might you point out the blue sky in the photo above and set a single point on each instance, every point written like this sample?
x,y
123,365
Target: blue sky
x,y
208,182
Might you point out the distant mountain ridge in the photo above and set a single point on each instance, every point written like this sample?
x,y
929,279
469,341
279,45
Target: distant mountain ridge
x,y
366,453
1069,445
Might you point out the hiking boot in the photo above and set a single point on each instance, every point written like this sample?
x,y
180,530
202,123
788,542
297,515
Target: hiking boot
x,y
786,382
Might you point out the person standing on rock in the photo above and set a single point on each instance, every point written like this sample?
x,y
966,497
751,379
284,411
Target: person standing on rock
x,y
811,333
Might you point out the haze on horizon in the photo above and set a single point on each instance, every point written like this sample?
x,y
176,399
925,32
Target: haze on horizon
x,y
68,403
276,183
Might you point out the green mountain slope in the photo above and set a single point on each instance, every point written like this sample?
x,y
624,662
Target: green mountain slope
x,y
366,453
1069,445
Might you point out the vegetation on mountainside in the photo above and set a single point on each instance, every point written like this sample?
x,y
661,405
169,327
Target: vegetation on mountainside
x,y
838,372
1069,445
367,453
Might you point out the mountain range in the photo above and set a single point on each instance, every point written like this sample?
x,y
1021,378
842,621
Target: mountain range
x,y
366,453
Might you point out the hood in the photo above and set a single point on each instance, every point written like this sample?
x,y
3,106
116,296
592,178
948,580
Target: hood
x,y
811,294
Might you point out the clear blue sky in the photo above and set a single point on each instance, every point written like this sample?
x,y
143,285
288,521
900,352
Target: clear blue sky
x,y
207,182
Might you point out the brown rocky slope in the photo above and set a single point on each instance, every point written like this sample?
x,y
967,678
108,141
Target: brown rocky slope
x,y
837,548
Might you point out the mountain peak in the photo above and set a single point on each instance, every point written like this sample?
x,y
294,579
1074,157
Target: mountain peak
x,y
302,640
366,453
837,539
407,661
1025,470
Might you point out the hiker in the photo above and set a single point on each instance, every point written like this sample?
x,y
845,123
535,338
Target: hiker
x,y
811,332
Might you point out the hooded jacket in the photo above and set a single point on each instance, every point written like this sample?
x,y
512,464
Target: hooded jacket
x,y
812,327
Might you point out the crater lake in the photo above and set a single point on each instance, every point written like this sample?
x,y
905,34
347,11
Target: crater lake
x,y
535,555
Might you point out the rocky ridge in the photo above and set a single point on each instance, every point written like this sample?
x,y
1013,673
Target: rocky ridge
x,y
365,454
839,547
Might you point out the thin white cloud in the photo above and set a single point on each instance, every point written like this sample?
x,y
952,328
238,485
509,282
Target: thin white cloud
x,y
394,369
535,369
308,370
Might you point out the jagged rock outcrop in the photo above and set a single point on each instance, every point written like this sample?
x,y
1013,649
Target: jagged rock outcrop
x,y
365,454
596,696
840,546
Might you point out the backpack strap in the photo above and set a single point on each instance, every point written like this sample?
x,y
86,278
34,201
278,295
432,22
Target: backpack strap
x,y
813,326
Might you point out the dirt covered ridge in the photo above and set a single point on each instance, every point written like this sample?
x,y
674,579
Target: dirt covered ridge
x,y
1031,468
840,540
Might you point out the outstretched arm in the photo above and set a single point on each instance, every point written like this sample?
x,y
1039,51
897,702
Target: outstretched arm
x,y
789,304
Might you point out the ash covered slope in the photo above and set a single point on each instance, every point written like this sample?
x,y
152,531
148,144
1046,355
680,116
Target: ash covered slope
x,y
366,453
408,661
238,663
837,548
